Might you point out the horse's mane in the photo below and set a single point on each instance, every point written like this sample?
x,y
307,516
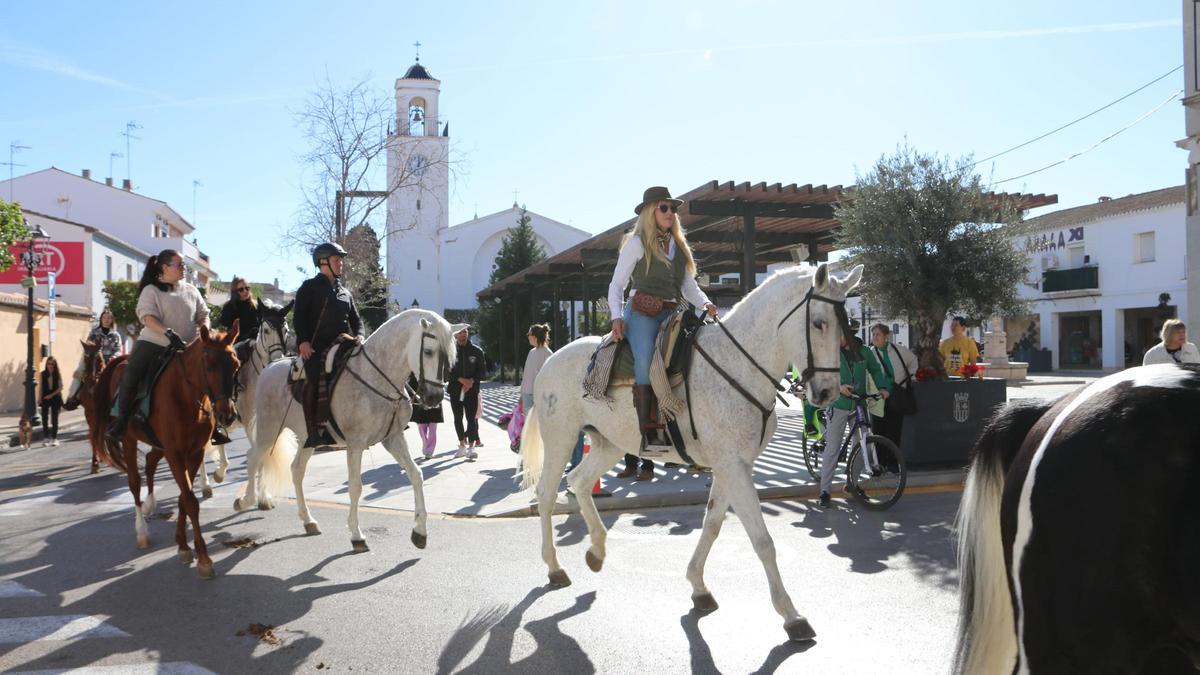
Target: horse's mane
x,y
408,317
769,286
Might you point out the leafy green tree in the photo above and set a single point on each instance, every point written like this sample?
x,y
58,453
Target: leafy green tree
x,y
364,275
12,230
519,249
933,241
121,297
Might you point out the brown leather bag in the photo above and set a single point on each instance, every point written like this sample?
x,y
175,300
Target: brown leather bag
x,y
646,303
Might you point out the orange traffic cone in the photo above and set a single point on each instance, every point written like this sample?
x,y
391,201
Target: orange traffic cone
x,y
596,491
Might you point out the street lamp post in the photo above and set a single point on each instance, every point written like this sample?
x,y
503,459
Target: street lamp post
x,y
31,258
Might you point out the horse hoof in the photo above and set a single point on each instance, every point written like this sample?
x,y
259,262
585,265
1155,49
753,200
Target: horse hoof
x,y
559,579
312,529
205,570
206,493
219,476
143,542
419,540
95,468
265,505
359,546
237,504
594,561
705,602
799,630
185,557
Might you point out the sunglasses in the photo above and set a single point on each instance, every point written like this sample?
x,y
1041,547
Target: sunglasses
x,y
243,289
664,207
179,263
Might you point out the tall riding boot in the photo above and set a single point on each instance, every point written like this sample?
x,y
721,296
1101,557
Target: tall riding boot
x,y
655,445
312,394
125,395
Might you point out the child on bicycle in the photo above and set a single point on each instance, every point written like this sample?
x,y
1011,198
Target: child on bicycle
x,y
856,362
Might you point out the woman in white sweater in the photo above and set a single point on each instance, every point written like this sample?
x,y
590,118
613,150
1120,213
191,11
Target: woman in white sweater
x,y
1174,347
539,339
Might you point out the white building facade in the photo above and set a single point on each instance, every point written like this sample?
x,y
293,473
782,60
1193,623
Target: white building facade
x,y
429,263
141,222
1103,277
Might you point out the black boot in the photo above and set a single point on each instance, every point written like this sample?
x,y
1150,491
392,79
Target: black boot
x,y
317,436
655,445
116,431
219,436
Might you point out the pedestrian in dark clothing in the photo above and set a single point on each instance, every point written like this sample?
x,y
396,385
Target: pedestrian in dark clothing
x,y
243,307
52,401
465,377
324,314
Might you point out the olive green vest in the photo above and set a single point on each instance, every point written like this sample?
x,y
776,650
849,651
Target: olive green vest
x,y
664,279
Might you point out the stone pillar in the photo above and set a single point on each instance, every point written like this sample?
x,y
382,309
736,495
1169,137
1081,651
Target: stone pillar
x,y
995,353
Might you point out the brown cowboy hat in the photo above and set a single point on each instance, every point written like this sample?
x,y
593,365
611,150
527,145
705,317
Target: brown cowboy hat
x,y
654,194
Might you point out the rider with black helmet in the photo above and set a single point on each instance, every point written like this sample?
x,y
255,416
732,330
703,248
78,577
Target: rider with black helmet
x,y
323,314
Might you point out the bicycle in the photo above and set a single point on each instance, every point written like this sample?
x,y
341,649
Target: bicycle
x,y
875,469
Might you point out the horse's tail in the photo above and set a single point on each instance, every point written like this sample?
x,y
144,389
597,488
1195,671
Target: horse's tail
x,y
986,633
532,451
102,392
277,463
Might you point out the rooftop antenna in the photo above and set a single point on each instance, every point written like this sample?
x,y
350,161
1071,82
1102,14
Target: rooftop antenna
x,y
130,127
195,184
417,44
13,148
111,157
515,192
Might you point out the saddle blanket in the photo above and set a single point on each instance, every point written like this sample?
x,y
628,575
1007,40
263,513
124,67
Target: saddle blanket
x,y
612,366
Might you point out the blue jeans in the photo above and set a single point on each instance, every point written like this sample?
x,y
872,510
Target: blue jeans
x,y
641,330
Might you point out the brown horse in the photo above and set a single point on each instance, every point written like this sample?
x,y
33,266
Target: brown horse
x,y
194,389
87,375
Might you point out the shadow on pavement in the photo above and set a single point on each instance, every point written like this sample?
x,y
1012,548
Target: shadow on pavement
x,y
139,602
556,651
919,529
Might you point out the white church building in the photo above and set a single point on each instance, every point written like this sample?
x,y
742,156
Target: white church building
x,y
430,263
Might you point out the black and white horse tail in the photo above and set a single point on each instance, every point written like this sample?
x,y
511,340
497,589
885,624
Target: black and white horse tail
x,y
986,634
532,450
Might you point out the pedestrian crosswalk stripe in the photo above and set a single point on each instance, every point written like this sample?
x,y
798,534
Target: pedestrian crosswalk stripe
x,y
172,668
12,589
66,627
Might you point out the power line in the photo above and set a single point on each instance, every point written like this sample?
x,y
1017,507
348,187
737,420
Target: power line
x,y
1097,144
1076,121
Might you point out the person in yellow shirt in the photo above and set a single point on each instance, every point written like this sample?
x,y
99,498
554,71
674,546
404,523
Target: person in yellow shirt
x,y
959,349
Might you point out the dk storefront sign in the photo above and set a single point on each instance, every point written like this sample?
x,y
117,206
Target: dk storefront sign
x,y
63,258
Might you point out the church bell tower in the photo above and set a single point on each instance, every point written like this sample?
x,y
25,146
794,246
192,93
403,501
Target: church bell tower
x,y
418,207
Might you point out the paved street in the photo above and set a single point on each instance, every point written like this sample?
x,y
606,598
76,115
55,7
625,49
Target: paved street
x,y
75,592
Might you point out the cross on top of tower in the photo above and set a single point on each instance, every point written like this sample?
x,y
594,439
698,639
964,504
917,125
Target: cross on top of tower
x,y
515,192
417,44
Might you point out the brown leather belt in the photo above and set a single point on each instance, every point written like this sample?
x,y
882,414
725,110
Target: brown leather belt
x,y
668,304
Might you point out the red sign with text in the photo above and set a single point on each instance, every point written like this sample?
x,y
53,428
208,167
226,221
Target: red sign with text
x,y
64,258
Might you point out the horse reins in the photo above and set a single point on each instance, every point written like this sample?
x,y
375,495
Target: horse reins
x,y
401,393
810,369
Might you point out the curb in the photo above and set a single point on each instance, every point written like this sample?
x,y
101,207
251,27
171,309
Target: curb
x,y
921,481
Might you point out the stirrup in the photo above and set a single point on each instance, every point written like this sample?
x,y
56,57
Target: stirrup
x,y
658,447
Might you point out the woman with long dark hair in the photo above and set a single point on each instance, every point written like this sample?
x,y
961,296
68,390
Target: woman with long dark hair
x,y
171,311
52,401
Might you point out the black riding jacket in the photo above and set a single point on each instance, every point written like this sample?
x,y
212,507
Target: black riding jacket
x,y
323,311
246,315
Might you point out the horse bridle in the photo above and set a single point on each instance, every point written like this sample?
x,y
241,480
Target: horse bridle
x,y
227,375
443,374
401,392
810,369
839,309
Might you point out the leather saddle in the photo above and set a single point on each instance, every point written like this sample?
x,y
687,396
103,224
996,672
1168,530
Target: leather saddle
x,y
144,399
676,349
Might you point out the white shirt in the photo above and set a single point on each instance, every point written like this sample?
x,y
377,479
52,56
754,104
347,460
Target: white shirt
x,y
631,254
1159,354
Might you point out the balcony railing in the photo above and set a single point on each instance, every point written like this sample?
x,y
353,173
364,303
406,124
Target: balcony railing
x,y
1074,279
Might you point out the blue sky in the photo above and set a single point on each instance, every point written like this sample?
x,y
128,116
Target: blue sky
x,y
580,106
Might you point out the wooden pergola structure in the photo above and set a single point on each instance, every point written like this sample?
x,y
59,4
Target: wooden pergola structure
x,y
732,227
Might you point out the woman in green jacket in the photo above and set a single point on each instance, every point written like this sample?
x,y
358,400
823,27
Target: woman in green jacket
x,y
856,361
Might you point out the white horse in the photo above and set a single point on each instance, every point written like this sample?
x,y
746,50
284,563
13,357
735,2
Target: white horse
x,y
792,317
369,405
270,345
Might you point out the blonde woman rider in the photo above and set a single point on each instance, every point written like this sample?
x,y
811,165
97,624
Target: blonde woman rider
x,y
656,263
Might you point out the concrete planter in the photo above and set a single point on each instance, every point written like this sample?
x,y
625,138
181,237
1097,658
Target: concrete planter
x,y
950,415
